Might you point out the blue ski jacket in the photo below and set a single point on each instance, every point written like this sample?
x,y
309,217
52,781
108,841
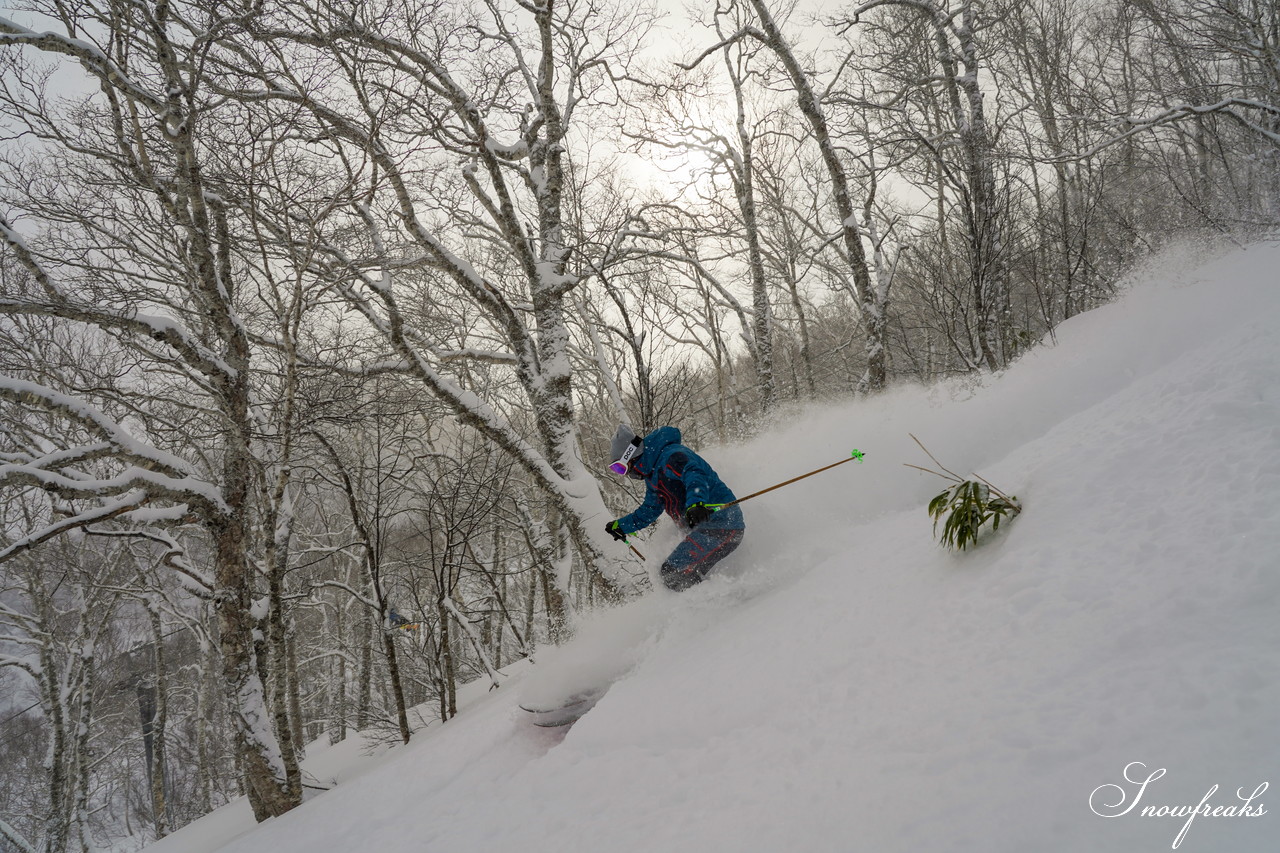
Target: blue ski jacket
x,y
676,478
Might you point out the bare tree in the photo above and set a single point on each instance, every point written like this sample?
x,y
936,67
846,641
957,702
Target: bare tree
x,y
468,86
148,257
375,498
955,28
766,31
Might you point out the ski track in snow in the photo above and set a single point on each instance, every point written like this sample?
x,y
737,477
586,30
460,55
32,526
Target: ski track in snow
x,y
847,685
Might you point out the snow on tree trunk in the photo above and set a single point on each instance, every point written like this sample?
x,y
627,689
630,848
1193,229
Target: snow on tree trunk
x,y
13,837
218,352
505,180
56,823
744,188
989,275
266,779
810,106
157,726
476,643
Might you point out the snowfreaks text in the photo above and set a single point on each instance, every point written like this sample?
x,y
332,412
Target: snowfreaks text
x,y
1098,801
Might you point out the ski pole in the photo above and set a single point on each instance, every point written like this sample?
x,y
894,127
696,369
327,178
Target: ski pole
x,y
855,456
634,549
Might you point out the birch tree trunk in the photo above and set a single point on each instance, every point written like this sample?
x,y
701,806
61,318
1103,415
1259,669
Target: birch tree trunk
x,y
166,165
368,521
959,58
157,726
770,34
744,189
515,176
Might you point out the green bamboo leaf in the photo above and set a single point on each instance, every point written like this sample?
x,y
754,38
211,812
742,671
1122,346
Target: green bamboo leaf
x,y
964,509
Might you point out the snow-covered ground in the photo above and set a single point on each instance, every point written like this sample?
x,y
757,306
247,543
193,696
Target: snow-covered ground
x,y
847,685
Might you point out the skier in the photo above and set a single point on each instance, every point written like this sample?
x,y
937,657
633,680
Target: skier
x,y
395,620
681,482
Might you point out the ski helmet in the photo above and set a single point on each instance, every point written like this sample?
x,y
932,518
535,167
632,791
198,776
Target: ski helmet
x,y
625,448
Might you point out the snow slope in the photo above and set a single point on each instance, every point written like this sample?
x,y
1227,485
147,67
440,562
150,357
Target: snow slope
x,y
847,685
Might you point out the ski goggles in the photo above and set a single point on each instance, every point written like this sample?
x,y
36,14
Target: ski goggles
x,y
620,467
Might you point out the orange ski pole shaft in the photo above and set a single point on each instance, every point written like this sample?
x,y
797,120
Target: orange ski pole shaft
x,y
855,456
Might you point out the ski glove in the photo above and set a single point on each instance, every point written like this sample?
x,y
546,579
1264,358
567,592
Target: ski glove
x,y
615,531
696,514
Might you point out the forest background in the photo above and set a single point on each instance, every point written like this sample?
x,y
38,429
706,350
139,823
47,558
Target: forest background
x,y
318,316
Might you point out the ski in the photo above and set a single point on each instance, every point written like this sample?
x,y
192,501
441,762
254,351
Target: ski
x,y
569,712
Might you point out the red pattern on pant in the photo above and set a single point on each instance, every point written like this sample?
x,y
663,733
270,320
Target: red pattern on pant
x,y
691,560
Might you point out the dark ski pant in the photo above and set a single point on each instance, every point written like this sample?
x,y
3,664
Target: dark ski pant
x,y
694,558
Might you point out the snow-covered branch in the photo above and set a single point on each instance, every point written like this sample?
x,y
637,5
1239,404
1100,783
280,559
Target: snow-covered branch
x,y
720,45
153,327
160,473
486,356
355,594
1227,106
465,624
20,844
89,55
111,509
27,665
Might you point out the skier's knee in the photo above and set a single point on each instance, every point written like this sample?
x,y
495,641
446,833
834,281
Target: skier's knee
x,y
678,580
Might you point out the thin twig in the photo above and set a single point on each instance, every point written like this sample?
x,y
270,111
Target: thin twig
x,y
1017,508
953,474
931,471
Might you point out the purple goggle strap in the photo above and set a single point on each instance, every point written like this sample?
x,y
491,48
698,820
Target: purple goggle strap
x,y
620,467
